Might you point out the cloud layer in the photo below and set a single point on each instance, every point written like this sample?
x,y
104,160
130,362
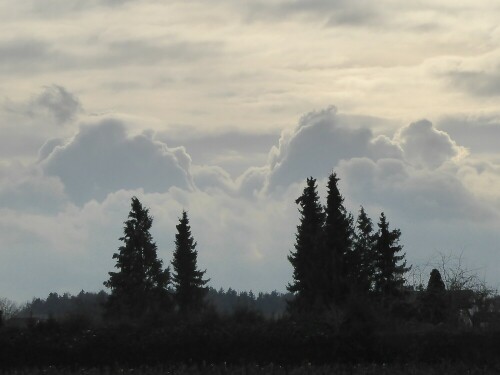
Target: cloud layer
x,y
209,107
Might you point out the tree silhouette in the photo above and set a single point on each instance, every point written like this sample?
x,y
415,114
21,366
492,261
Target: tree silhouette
x,y
307,275
434,304
390,268
189,284
435,284
140,285
363,254
336,251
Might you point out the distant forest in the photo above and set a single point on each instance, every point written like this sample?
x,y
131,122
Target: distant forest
x,y
351,299
90,305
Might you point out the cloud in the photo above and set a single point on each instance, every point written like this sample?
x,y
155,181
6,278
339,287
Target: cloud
x,y
425,146
334,12
207,178
322,140
27,123
421,194
16,142
27,189
102,159
144,52
317,145
479,133
53,8
36,194
437,196
59,102
25,57
54,102
235,151
48,147
19,54
476,75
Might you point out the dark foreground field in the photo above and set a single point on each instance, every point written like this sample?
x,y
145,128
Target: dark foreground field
x,y
227,345
366,369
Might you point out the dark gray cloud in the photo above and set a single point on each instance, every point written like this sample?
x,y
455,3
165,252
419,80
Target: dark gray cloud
x,y
102,159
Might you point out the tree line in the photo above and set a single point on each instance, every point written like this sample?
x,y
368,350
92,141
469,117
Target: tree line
x,y
89,306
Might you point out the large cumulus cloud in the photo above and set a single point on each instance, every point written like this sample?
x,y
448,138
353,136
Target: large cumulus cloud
x,y
321,141
103,158
316,146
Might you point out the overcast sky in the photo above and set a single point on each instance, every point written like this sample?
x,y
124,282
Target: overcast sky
x,y
224,108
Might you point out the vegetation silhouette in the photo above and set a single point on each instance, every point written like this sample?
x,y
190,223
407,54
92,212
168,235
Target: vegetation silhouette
x,y
140,285
188,280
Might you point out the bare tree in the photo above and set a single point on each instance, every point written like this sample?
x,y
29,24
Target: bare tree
x,y
8,308
454,271
458,276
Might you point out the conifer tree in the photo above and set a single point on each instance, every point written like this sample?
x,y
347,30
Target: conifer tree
x,y
305,260
140,284
188,280
435,284
336,250
434,307
391,268
363,254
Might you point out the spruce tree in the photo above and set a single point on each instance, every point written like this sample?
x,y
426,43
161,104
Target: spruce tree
x,y
433,301
363,254
336,250
140,285
390,267
305,260
188,280
435,284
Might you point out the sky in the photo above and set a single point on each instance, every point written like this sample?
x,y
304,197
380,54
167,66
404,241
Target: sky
x,y
223,109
